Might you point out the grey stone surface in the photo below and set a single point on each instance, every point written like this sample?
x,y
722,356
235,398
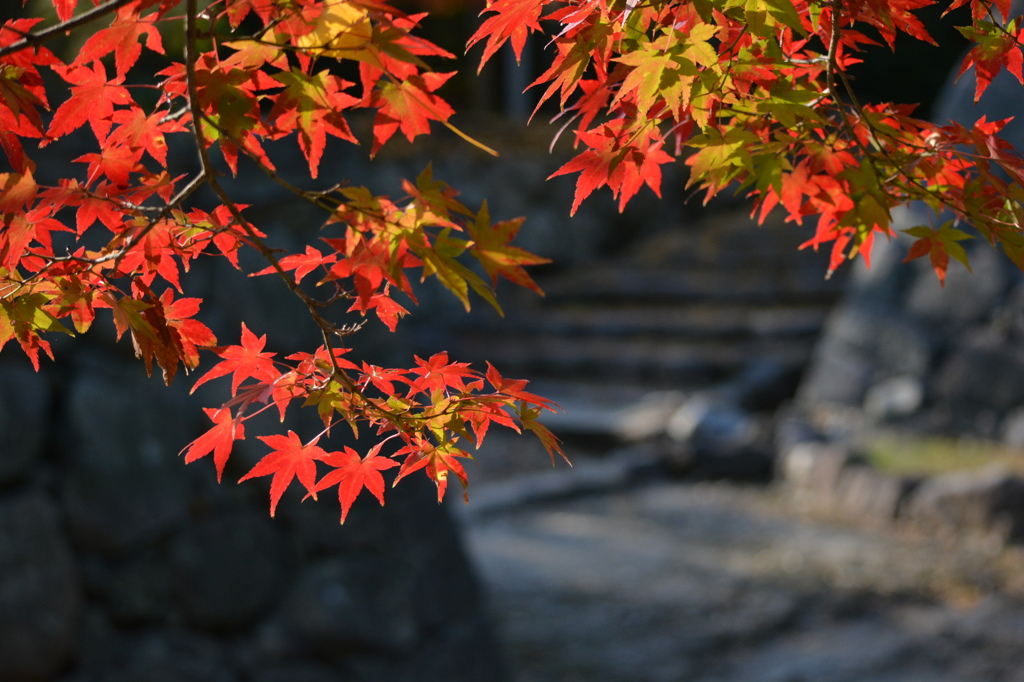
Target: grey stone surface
x,y
345,604
296,672
966,298
124,484
624,418
982,370
814,467
865,492
110,655
718,583
25,402
135,589
763,384
229,569
862,346
988,500
708,422
718,439
1011,430
41,597
893,398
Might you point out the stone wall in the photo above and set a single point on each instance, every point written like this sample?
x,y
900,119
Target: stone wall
x,y
119,563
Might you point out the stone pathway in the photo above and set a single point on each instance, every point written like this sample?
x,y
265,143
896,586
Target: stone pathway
x,y
668,581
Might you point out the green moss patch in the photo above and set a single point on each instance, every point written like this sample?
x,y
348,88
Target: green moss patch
x,y
905,454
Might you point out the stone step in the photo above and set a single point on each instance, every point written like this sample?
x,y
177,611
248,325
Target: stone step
x,y
735,249
619,284
657,362
698,320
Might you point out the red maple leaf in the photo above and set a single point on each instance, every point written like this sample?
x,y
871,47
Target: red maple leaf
x,y
114,163
388,310
65,8
301,263
438,461
21,231
513,388
140,131
410,106
313,105
513,19
938,256
92,100
246,361
610,160
438,374
219,439
123,39
97,206
189,334
492,247
352,473
288,460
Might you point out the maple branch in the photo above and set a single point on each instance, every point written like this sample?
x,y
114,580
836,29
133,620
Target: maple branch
x,y
833,50
130,243
31,39
326,328
185,192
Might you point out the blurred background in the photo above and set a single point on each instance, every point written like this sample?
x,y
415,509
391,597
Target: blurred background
x,y
776,476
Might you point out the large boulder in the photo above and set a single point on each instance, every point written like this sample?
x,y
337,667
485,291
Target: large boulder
x,y
41,597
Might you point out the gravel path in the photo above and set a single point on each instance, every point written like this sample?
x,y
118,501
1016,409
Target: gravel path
x,y
670,581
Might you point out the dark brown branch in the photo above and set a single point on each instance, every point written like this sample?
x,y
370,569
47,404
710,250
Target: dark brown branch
x,y
33,39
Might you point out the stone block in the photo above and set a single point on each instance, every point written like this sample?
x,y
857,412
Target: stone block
x,y
229,568
893,398
40,594
123,483
25,399
981,370
989,500
967,298
814,467
865,492
344,605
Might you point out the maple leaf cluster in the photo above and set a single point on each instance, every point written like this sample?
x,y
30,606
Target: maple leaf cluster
x,y
120,231
754,96
751,94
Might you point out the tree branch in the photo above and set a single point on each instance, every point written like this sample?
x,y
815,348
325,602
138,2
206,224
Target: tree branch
x,y
52,32
326,328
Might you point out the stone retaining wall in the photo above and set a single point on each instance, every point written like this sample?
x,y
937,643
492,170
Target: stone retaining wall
x,y
119,563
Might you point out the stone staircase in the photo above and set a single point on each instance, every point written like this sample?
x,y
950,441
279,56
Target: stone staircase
x,y
687,309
